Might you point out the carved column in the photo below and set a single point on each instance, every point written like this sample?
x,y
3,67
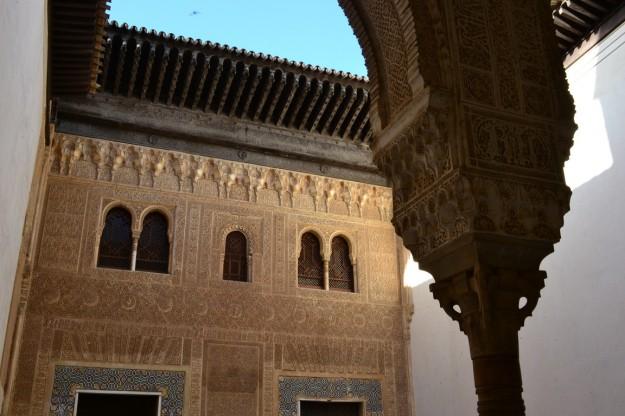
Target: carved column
x,y
135,247
489,286
476,169
326,274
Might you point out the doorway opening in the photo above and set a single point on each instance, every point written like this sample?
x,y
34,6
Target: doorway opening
x,y
318,408
106,403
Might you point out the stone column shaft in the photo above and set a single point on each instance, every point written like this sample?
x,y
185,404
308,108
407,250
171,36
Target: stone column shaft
x,y
326,275
133,258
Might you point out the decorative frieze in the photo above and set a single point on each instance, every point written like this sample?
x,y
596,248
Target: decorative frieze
x,y
180,172
512,144
464,204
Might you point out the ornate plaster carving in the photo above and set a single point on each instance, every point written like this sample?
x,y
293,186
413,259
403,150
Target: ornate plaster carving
x,y
179,172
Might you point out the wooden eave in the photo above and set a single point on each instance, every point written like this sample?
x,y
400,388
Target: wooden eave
x,y
211,78
76,32
89,55
577,20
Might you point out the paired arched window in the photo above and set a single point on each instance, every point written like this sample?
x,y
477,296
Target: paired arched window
x,y
313,272
310,263
153,248
235,257
150,253
115,249
341,268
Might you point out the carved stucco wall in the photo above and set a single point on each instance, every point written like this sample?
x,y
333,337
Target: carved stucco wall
x,y
233,340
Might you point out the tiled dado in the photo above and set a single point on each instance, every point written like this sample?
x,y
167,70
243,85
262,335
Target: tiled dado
x,y
69,379
294,389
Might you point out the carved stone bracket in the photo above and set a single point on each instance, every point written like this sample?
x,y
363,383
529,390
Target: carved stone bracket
x,y
483,296
490,285
482,280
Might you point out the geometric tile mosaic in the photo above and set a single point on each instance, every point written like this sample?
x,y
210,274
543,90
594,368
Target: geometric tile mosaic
x,y
69,379
293,389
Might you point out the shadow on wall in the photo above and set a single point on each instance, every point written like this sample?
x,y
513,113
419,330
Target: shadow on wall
x,y
573,348
441,365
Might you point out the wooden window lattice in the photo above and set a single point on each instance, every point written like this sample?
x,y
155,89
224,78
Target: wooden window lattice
x,y
115,248
235,258
153,249
310,263
341,268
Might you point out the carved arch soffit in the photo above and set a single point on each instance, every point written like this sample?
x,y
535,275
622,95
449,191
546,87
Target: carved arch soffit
x,y
252,246
390,41
167,212
108,206
322,237
351,243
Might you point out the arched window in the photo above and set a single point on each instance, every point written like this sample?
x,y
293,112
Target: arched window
x,y
153,249
115,248
310,263
235,258
341,268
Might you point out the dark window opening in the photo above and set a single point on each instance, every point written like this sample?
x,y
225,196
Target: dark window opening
x,y
311,408
310,263
341,268
115,248
153,249
235,259
118,404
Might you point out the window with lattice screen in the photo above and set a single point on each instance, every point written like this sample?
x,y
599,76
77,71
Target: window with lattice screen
x,y
153,249
115,248
235,258
341,268
310,263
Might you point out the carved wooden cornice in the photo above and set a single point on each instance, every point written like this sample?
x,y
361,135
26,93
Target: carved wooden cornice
x,y
575,20
211,78
75,41
121,163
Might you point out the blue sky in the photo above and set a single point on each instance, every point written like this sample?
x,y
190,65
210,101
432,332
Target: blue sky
x,y
313,31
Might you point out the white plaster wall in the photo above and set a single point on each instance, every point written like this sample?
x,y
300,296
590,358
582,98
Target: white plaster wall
x,y
22,100
573,348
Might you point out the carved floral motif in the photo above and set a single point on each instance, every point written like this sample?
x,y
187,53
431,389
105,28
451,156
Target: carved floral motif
x,y
462,204
417,158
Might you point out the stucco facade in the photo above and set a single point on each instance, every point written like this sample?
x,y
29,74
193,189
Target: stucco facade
x,y
236,343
